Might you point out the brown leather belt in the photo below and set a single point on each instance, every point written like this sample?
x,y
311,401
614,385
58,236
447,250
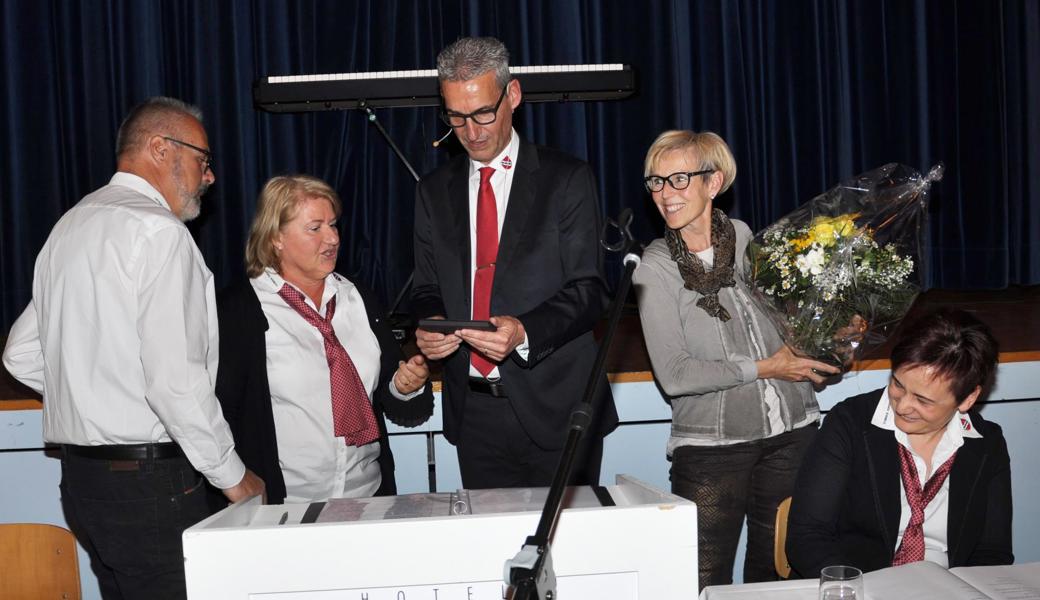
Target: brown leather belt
x,y
490,388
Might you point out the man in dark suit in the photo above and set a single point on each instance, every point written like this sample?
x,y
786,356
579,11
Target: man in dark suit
x,y
509,233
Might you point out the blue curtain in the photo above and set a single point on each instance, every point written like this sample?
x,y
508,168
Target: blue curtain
x,y
807,93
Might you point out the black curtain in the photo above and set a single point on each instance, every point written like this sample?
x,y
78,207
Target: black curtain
x,y
807,93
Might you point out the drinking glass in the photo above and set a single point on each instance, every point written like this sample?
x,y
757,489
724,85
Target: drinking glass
x,y
841,582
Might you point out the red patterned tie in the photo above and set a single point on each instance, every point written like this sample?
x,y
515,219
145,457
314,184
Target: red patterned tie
x,y
352,415
487,250
911,549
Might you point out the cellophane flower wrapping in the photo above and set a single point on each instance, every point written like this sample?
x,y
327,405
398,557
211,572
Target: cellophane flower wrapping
x,y
838,274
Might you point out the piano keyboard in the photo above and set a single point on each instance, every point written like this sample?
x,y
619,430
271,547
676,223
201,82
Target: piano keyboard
x,y
342,91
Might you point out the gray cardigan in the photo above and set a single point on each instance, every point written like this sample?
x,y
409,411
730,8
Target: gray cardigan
x,y
706,367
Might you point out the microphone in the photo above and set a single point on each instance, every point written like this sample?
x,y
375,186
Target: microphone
x,y
634,255
443,137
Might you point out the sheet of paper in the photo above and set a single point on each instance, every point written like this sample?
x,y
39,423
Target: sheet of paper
x,y
528,499
918,581
798,589
409,506
1012,582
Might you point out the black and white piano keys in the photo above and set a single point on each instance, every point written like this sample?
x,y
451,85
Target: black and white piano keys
x,y
383,89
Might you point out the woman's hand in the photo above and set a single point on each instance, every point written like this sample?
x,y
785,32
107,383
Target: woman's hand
x,y
786,365
411,375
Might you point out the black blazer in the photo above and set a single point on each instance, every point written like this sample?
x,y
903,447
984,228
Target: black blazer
x,y
548,274
846,504
245,395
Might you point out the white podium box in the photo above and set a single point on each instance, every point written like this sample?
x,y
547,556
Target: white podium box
x,y
645,546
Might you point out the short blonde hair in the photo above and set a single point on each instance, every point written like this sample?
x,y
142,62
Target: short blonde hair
x,y
707,146
278,204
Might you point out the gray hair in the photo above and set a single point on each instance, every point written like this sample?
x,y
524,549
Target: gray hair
x,y
155,115
469,58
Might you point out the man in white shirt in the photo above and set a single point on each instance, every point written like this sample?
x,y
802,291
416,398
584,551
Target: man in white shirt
x,y
120,338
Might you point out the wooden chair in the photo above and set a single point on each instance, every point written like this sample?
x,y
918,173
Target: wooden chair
x,y
38,561
783,568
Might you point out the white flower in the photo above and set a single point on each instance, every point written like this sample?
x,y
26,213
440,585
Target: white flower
x,y
810,262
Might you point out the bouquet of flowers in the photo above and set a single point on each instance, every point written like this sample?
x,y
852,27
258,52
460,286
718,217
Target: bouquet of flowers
x,y
838,274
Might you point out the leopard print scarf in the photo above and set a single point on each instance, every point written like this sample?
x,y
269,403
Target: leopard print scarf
x,y
707,283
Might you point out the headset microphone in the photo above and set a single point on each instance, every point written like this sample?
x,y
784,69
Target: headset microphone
x,y
445,136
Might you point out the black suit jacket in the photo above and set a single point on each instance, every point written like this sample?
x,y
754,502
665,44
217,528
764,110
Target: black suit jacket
x,y
245,394
548,274
846,504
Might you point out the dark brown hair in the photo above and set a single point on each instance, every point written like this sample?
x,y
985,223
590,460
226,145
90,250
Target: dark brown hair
x,y
955,345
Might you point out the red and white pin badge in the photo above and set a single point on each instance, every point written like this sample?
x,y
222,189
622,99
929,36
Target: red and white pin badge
x,y
965,424
507,163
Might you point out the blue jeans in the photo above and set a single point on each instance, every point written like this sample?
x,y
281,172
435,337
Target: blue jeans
x,y
129,516
729,483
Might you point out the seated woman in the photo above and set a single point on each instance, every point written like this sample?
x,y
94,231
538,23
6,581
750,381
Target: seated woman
x,y
909,472
307,365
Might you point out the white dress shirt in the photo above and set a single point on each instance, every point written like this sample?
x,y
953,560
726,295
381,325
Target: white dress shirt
x,y
501,183
315,463
936,513
120,337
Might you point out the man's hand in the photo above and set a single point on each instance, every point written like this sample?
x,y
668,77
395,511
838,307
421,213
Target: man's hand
x,y
496,345
250,486
436,346
411,375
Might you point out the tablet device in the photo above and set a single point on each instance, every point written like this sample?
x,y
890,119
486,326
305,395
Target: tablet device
x,y
453,325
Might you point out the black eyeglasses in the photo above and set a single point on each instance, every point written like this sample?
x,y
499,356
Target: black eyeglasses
x,y
484,116
207,156
678,181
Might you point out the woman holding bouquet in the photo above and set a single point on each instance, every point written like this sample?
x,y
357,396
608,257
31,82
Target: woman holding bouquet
x,y
743,407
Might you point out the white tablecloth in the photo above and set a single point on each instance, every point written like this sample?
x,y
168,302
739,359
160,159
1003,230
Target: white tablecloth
x,y
917,581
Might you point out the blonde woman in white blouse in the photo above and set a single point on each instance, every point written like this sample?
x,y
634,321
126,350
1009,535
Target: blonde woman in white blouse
x,y
308,369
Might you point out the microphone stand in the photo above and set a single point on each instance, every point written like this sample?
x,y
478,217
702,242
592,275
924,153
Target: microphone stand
x,y
363,105
530,572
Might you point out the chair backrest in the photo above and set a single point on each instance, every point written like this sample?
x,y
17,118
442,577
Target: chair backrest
x,y
783,568
38,561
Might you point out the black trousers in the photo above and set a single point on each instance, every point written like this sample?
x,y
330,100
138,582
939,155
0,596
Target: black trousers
x,y
495,452
729,483
129,515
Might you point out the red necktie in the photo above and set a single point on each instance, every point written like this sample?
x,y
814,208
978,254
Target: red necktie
x,y
352,415
487,250
911,549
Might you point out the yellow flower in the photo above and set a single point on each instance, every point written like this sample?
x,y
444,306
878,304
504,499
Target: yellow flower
x,y
827,230
800,244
